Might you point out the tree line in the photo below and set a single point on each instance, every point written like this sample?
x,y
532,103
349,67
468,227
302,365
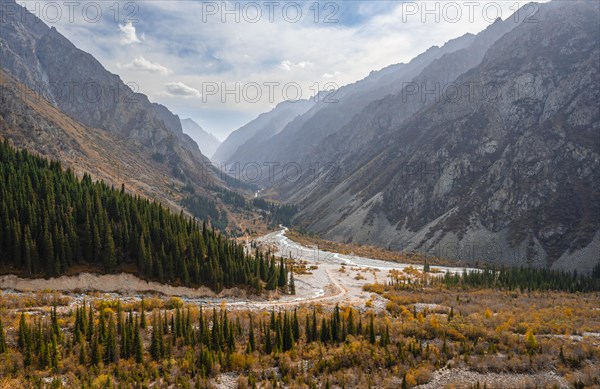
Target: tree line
x,y
525,279
204,208
274,213
51,221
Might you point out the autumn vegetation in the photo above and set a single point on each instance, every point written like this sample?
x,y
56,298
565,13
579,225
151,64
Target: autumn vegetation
x,y
425,326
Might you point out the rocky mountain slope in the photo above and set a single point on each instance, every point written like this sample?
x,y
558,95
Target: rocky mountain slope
x,y
76,83
207,142
428,85
31,122
504,172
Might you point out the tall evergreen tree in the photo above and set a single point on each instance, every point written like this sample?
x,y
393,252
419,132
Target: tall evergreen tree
x,y
372,337
137,345
288,336
3,346
283,279
292,283
143,314
251,340
295,326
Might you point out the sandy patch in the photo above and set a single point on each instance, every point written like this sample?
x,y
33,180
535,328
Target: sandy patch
x,y
120,283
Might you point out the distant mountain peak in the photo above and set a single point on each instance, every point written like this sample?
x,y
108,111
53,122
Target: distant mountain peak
x,y
207,142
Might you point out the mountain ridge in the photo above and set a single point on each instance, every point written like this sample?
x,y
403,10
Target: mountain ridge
x,y
293,144
45,61
458,151
207,142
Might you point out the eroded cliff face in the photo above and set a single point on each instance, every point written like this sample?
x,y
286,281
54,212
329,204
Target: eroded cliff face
x,y
507,172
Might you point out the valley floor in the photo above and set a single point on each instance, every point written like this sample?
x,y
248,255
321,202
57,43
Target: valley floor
x,y
327,278
441,336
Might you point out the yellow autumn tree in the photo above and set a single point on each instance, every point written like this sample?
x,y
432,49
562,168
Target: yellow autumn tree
x,y
530,342
487,314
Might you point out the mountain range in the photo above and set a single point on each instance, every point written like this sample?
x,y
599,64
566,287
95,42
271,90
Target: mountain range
x,y
484,149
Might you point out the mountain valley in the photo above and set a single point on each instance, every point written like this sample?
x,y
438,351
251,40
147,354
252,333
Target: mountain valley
x,y
429,218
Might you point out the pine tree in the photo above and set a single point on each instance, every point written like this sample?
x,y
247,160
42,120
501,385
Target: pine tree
x,y
143,315
282,279
3,346
372,331
268,341
110,342
296,326
325,331
336,332
272,281
156,342
314,331
54,353
307,329
292,283
137,345
95,356
101,328
83,358
350,326
54,323
288,337
23,339
385,338
251,339
90,327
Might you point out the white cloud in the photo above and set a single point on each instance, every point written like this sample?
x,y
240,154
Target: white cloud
x,y
329,75
264,52
289,65
180,89
142,64
128,34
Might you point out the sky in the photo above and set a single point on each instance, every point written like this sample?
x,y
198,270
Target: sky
x,y
222,63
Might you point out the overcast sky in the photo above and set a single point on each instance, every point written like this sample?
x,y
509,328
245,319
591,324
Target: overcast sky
x,y
223,63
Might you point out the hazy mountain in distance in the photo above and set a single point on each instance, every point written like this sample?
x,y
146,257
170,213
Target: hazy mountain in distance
x,y
295,142
207,142
508,178
257,131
